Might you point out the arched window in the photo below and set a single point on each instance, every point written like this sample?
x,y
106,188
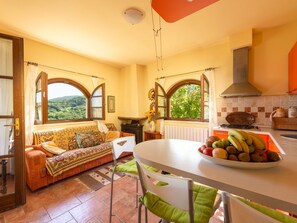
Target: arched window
x,y
187,100
98,102
64,100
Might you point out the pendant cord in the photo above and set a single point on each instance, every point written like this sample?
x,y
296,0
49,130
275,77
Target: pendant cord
x,y
157,42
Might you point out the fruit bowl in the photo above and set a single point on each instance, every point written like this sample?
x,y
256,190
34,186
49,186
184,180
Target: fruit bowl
x,y
240,164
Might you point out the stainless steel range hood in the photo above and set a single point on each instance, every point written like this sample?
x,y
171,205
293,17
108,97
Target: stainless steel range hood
x,y
240,87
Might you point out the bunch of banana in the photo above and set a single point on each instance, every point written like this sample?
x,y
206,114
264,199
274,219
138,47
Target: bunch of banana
x,y
240,140
245,141
258,141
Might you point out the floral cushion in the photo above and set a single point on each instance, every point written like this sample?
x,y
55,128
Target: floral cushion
x,y
51,147
85,140
99,137
72,144
56,165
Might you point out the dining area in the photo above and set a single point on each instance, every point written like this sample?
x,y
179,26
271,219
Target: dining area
x,y
273,186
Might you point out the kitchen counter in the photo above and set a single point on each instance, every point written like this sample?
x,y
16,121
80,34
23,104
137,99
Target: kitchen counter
x,y
287,146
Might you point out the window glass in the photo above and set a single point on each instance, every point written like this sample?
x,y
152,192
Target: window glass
x,y
205,97
38,101
97,102
185,102
66,102
161,101
97,112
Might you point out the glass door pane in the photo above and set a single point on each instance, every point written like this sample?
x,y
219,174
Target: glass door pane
x,y
6,96
6,118
6,57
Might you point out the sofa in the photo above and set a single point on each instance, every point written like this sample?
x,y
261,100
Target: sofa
x,y
58,154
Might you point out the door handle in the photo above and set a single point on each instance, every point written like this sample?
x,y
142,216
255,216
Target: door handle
x,y
16,126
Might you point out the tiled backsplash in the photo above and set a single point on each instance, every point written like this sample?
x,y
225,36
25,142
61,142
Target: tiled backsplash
x,y
261,107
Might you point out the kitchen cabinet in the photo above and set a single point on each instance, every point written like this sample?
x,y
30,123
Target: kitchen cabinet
x,y
293,70
221,134
265,138
272,146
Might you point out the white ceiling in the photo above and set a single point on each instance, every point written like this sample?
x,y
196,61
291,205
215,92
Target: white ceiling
x,y
96,28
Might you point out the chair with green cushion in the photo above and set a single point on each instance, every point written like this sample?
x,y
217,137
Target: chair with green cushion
x,y
177,199
241,210
119,146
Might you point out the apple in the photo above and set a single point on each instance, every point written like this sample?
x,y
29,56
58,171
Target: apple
x,y
207,151
202,148
259,155
211,139
220,153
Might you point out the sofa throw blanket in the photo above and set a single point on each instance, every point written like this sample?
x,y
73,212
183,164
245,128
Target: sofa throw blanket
x,y
58,164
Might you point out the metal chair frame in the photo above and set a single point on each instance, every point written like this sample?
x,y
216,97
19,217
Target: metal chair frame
x,y
120,145
178,192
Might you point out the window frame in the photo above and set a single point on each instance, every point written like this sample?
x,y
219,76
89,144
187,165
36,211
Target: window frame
x,y
103,102
44,99
157,95
173,89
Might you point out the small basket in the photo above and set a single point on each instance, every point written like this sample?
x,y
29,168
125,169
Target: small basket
x,y
284,123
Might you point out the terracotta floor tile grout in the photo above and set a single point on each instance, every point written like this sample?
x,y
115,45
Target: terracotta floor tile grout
x,y
80,205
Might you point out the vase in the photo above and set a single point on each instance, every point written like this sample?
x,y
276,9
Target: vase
x,y
152,126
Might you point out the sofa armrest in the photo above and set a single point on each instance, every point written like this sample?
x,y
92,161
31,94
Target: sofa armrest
x,y
35,168
124,134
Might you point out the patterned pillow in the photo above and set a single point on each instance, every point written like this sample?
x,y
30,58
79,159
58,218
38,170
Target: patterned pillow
x,y
51,147
72,144
99,138
85,140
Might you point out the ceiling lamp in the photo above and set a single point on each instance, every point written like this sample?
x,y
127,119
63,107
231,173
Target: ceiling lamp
x,y
171,11
133,15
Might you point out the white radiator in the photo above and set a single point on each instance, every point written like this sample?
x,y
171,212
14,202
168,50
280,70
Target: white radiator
x,y
186,132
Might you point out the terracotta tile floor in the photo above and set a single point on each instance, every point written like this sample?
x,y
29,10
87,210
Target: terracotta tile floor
x,y
72,201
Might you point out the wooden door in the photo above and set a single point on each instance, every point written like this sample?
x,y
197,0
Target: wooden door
x,y
12,165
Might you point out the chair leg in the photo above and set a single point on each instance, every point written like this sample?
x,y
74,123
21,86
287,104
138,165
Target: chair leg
x,y
145,212
137,195
139,212
111,197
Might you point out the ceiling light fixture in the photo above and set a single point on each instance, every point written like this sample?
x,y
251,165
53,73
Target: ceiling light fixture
x,y
133,15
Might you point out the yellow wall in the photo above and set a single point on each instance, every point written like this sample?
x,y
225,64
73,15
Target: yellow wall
x,y
132,82
268,70
219,56
54,57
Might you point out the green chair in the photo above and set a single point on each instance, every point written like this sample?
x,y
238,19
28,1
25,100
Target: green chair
x,y
176,199
241,210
